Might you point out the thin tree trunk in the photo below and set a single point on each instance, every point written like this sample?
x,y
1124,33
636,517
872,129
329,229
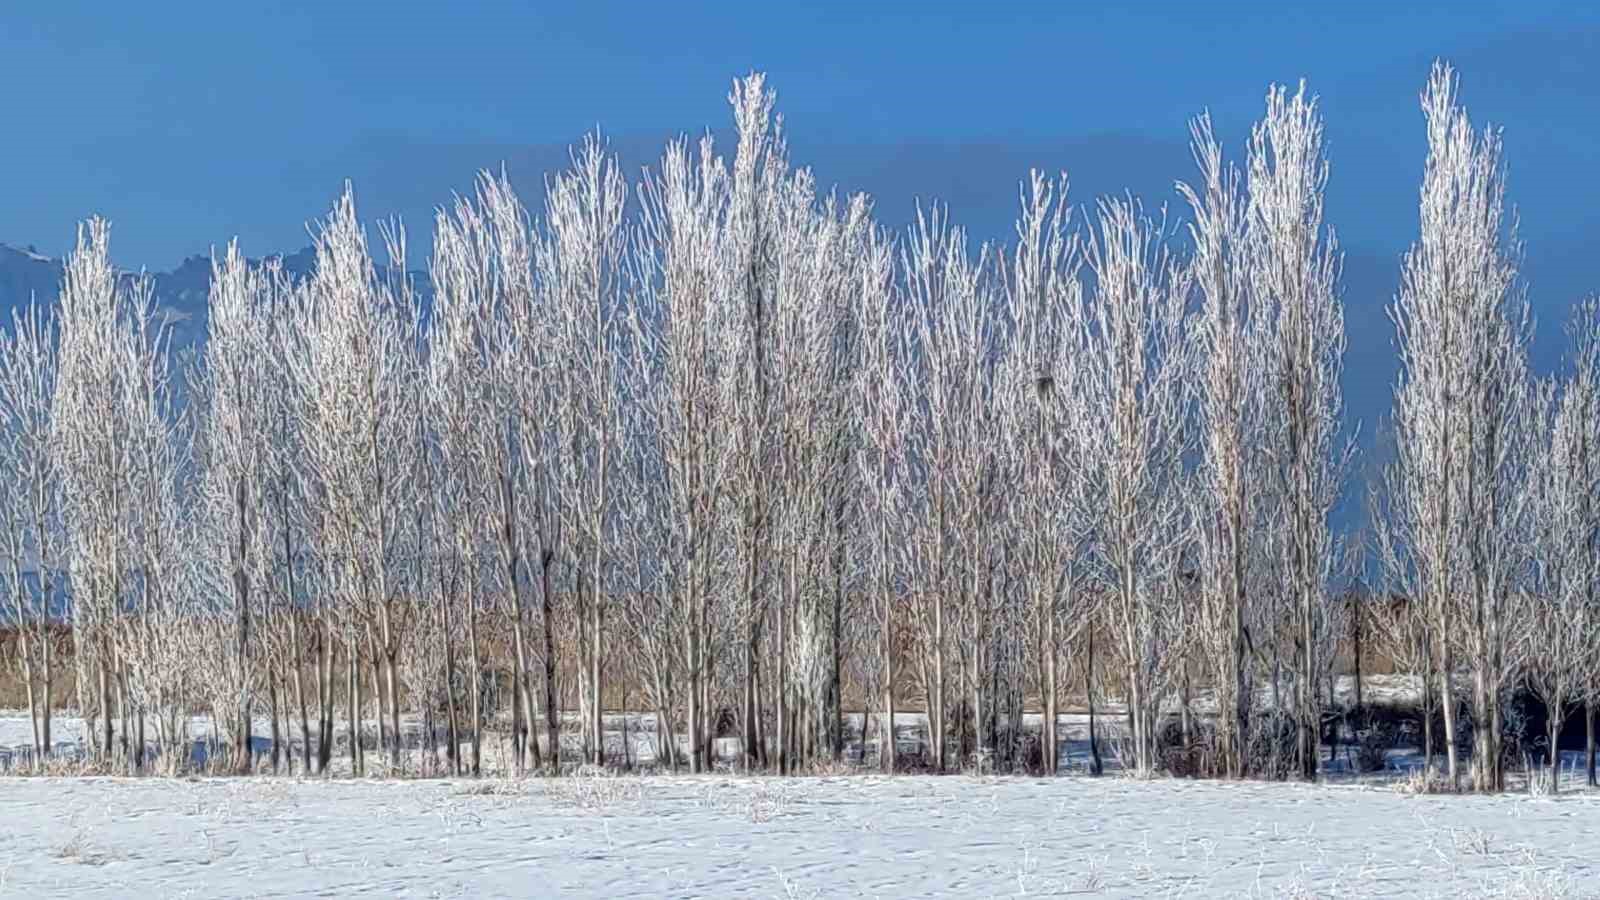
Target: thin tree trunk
x,y
27,684
887,748
784,727
325,689
552,711
297,657
352,711
375,666
1554,716
477,688
1427,717
1446,687
596,651
453,748
277,736
1588,729
105,704
1052,742
47,748
1096,765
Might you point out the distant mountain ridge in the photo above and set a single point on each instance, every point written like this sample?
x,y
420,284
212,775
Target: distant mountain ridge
x,y
181,294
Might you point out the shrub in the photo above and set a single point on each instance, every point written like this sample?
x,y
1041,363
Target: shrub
x,y
1195,757
1372,752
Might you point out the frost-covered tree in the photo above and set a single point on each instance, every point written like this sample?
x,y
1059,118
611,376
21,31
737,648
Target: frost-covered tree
x,y
108,336
579,263
1294,268
1049,505
759,173
687,365
30,504
882,395
1461,332
358,398
1556,621
957,336
1134,363
235,392
1232,333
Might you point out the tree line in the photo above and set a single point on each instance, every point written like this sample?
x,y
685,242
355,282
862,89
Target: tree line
x,y
717,445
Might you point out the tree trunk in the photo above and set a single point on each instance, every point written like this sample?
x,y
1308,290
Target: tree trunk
x,y
692,701
325,698
1554,716
1427,718
1588,729
781,688
453,748
1052,742
1446,687
1311,713
552,711
474,652
47,701
105,705
353,710
887,748
297,656
375,666
1096,765
596,650
277,736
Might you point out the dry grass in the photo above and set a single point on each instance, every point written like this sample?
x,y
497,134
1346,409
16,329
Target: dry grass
x,y
595,790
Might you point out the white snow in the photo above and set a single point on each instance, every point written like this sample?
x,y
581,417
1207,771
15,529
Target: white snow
x,y
831,837
723,836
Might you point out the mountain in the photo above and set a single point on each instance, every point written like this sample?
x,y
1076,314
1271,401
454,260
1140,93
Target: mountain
x,y
180,294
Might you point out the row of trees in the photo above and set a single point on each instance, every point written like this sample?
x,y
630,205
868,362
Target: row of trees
x,y
724,448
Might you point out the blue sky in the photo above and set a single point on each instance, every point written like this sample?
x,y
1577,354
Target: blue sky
x,y
188,123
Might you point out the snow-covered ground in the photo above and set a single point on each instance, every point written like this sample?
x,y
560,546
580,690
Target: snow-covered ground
x,y
802,838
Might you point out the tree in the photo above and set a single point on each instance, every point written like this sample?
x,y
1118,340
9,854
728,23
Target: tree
x,y
356,379
760,170
579,263
1461,331
1233,335
30,503
1048,500
882,393
1295,270
686,362
108,335
1558,623
1134,361
1577,461
234,392
956,329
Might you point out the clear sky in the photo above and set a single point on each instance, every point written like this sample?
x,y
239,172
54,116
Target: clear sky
x,y
188,123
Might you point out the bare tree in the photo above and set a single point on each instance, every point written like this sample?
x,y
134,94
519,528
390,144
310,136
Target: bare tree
x,y
356,381
1557,623
759,173
686,359
579,264
1134,362
1232,333
1577,458
104,327
882,397
234,391
1047,491
1460,334
30,502
1295,270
